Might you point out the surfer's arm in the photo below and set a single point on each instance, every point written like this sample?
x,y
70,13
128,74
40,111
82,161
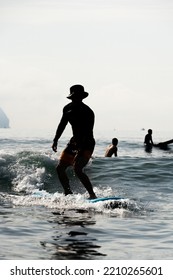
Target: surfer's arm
x,y
59,131
152,141
115,151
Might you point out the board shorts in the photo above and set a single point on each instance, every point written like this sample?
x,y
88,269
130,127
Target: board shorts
x,y
71,153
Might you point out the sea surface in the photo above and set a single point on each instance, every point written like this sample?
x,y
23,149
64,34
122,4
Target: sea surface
x,y
38,222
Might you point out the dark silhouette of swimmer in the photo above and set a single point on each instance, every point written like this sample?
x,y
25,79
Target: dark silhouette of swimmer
x,y
148,141
112,149
81,145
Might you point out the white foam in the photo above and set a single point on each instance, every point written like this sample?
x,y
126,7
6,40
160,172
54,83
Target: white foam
x,y
59,202
28,180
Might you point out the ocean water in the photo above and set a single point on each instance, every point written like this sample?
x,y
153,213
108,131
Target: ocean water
x,y
38,222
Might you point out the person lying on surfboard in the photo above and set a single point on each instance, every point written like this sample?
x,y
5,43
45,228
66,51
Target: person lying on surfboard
x,y
81,146
112,149
164,145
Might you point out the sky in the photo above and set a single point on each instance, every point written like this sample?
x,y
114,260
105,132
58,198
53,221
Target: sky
x,y
121,51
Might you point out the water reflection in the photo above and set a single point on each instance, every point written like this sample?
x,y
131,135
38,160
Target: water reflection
x,y
72,238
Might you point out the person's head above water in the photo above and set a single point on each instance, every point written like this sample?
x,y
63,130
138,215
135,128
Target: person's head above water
x,y
114,141
77,92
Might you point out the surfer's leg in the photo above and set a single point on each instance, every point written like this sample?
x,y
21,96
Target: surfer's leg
x,y
79,163
61,170
65,161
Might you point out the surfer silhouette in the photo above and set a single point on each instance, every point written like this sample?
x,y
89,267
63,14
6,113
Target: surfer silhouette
x,y
81,146
112,149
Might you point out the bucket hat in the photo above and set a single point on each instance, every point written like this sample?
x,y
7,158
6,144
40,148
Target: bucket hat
x,y
77,91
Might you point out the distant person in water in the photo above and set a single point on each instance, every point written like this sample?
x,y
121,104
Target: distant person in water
x,y
112,149
148,141
81,145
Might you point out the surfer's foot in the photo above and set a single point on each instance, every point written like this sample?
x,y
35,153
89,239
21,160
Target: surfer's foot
x,y
92,196
68,191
